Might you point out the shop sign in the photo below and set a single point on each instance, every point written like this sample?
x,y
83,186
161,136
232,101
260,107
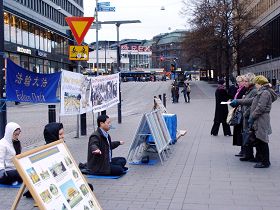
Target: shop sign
x,y
23,50
41,54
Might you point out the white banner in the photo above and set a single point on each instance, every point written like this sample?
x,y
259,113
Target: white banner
x,y
81,94
75,93
105,92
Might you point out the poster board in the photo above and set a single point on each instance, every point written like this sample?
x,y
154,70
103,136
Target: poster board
x,y
151,124
54,179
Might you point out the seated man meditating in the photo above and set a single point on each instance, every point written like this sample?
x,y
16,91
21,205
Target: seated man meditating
x,y
100,146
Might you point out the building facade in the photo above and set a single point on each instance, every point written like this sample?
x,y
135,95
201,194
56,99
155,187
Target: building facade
x,y
36,33
167,50
135,55
261,48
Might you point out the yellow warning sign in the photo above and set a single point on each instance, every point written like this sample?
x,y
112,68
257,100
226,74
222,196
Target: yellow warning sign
x,y
78,53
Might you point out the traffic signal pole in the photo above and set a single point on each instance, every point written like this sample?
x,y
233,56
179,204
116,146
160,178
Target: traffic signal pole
x,y
3,108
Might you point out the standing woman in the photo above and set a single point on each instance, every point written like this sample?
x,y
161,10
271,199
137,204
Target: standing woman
x,y
259,118
246,102
221,110
238,129
9,147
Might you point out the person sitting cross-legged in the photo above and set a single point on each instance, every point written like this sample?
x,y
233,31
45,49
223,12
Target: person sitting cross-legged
x,y
100,146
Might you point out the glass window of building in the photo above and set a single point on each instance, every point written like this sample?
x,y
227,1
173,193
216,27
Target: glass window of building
x,y
19,31
46,67
49,39
24,33
65,46
13,29
39,65
45,40
53,66
6,26
37,38
42,39
24,61
15,58
31,35
32,64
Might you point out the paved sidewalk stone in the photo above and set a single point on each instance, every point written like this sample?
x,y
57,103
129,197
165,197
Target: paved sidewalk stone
x,y
201,173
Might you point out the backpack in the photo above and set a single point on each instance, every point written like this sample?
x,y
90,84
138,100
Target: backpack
x,y
188,88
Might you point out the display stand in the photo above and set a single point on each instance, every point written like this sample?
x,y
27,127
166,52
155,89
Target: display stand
x,y
54,179
151,124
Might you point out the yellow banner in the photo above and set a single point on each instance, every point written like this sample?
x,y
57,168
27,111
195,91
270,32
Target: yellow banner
x,y
78,53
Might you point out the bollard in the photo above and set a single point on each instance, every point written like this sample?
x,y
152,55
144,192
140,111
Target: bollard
x,y
52,113
83,124
164,100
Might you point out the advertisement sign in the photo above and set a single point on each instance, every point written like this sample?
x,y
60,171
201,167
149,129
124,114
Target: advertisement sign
x,y
54,179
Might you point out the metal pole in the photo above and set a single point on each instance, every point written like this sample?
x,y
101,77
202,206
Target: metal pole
x,y
119,70
96,44
78,115
3,108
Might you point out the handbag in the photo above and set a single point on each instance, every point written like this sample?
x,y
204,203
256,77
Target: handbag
x,y
248,137
237,116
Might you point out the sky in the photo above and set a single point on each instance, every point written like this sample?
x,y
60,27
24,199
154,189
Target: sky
x,y
153,20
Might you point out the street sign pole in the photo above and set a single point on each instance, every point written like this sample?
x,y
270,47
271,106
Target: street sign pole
x,y
3,108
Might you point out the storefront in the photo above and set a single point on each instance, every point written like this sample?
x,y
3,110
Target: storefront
x,y
35,48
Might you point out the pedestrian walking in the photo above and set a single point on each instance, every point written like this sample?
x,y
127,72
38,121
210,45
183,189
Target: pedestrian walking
x,y
221,110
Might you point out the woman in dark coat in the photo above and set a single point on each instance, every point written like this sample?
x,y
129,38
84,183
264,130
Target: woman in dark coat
x,y
221,110
238,129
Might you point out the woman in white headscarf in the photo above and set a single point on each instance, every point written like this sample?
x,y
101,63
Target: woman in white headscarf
x,y
9,147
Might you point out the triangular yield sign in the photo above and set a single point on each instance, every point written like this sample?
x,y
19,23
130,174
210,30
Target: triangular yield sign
x,y
79,26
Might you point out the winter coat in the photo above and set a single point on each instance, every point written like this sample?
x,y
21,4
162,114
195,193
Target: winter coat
x,y
260,112
221,110
246,102
7,150
100,163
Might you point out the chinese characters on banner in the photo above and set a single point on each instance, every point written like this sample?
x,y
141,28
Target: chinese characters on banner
x,y
80,94
26,86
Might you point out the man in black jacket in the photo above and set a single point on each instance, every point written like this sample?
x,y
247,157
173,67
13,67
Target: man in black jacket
x,y
100,148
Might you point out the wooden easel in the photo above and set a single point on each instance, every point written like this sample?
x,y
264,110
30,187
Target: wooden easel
x,y
18,197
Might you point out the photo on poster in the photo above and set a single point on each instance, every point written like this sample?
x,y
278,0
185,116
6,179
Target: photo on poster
x,y
33,175
53,189
83,189
75,174
68,161
86,207
71,193
46,196
44,174
57,169
72,102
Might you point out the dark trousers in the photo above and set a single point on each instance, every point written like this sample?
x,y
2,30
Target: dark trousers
x,y
117,166
262,152
216,126
187,97
10,177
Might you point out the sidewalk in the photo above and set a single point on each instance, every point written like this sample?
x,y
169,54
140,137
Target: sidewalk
x,y
202,172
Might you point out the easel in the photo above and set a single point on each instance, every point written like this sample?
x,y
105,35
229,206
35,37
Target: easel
x,y
18,197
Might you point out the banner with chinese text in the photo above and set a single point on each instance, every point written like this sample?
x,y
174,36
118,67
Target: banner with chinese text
x,y
26,86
